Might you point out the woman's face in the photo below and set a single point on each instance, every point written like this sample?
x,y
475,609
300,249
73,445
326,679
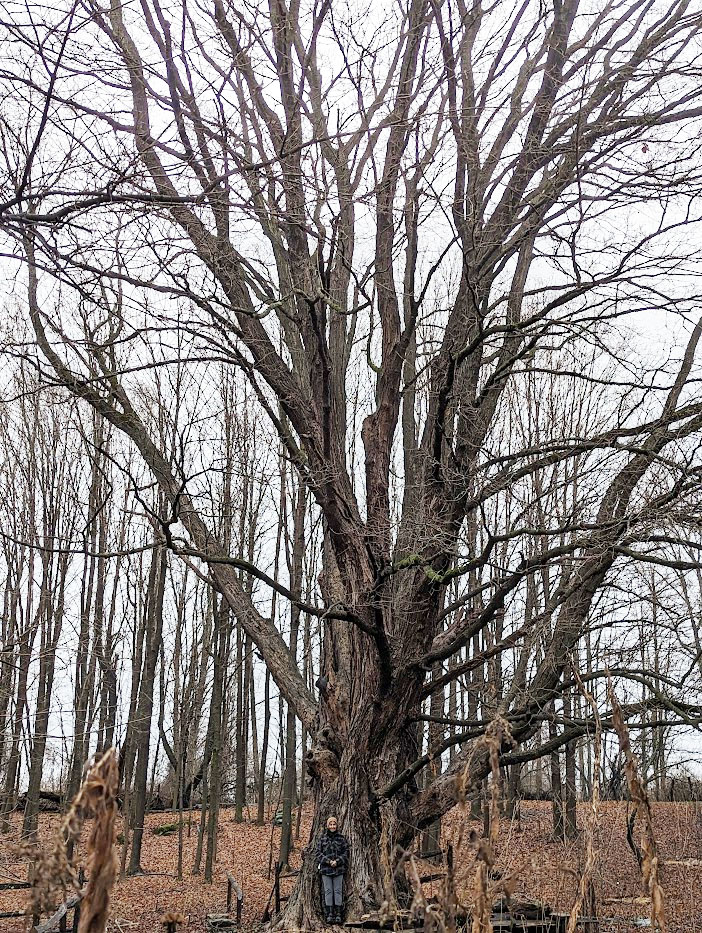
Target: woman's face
x,y
331,824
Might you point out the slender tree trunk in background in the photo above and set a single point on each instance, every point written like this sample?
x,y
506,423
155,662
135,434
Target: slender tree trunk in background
x,y
585,789
215,738
658,737
556,784
213,804
26,642
475,696
179,726
145,704
154,765
201,825
97,662
261,814
240,722
261,809
179,778
514,810
51,632
308,674
247,715
199,666
106,658
128,754
108,701
289,786
539,776
126,815
588,671
290,774
255,762
571,821
240,787
453,705
25,632
8,632
179,747
84,668
422,742
281,735
644,733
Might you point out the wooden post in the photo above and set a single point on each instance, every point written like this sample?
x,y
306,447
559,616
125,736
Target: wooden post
x,y
76,909
233,885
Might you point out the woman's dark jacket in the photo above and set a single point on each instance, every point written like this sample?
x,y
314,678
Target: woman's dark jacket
x,y
330,847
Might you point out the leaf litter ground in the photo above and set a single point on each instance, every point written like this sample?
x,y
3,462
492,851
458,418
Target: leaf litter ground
x,y
543,869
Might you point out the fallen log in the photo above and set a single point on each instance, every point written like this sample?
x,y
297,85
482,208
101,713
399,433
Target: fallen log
x,y
47,801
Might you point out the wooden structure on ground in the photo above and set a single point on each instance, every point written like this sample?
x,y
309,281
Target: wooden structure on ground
x,y
228,921
507,917
275,898
58,921
13,886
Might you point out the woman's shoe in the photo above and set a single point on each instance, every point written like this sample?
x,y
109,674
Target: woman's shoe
x,y
328,915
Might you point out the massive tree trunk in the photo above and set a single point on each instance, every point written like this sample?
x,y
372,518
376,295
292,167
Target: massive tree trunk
x,y
362,743
343,783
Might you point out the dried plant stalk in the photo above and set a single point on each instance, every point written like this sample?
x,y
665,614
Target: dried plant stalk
x,y
482,896
54,876
586,878
642,805
419,906
448,902
497,732
99,792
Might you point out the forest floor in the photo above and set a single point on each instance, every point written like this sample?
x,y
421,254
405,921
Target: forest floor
x,y
543,869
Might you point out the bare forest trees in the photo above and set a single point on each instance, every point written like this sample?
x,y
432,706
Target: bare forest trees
x,y
440,256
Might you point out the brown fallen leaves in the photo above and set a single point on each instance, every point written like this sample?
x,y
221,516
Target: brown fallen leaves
x,y
542,869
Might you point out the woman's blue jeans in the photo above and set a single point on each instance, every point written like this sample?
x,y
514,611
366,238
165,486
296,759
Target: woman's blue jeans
x,y
332,889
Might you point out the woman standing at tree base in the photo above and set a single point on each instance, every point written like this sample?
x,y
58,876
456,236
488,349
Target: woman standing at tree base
x,y
332,855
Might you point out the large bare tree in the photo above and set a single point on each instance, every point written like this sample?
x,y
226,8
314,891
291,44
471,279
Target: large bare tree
x,y
382,219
